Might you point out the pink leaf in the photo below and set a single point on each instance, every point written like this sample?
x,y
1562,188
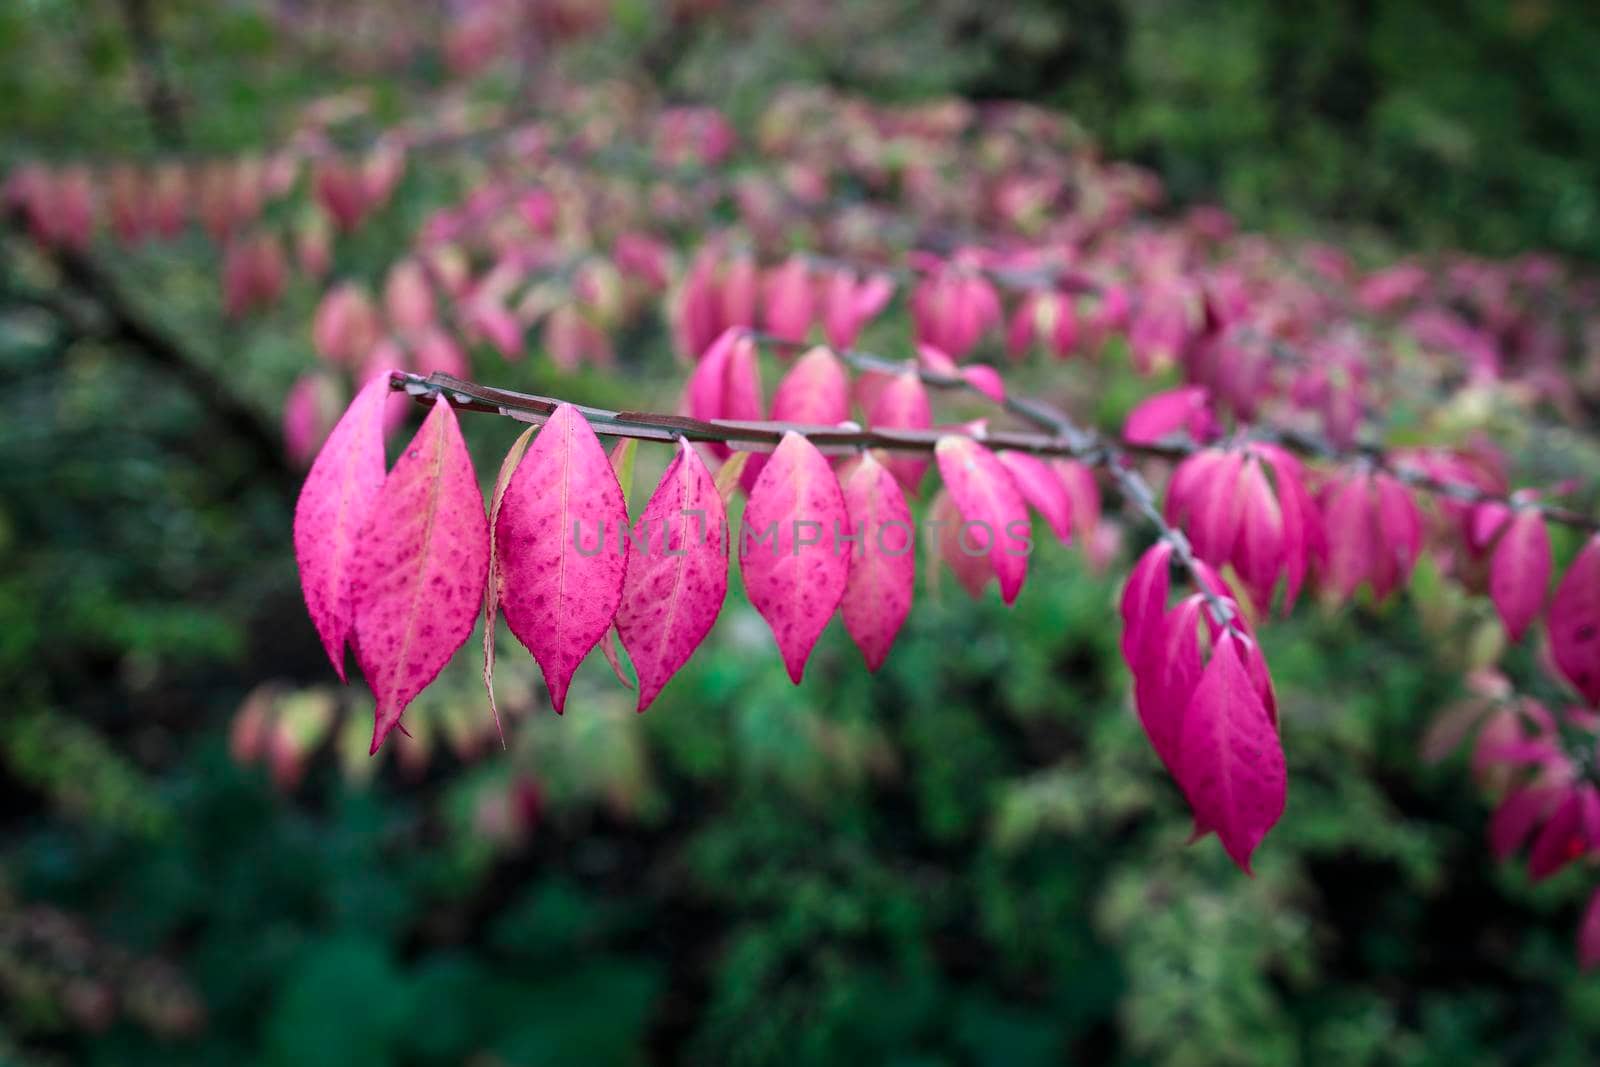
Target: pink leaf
x,y
1302,522
1520,571
1560,842
1084,493
1216,514
967,560
1351,546
788,555
561,554
816,390
883,566
1041,486
493,588
1177,411
991,509
1165,676
1574,622
335,502
677,574
986,380
1259,554
902,404
418,577
788,300
1516,817
1232,762
726,383
1589,935
1144,601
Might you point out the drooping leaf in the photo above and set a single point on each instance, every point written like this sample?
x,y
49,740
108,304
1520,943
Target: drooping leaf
x,y
562,556
1041,486
1084,494
622,462
1575,622
677,575
787,553
883,560
1260,549
1519,573
815,391
1185,410
1513,821
335,503
991,508
1231,761
420,569
1168,669
969,561
902,404
1589,934
1144,601
491,592
1560,841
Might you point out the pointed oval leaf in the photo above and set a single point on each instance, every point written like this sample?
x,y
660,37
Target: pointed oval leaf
x,y
816,390
561,554
1231,761
335,503
902,404
991,508
491,593
1589,935
968,560
883,560
1144,601
1165,677
1575,623
788,555
419,573
677,574
1041,486
1519,573
1259,549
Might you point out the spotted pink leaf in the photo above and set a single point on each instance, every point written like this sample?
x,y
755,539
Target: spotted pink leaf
x,y
792,572
1520,571
1230,759
562,558
677,574
418,577
883,565
335,502
992,510
1575,622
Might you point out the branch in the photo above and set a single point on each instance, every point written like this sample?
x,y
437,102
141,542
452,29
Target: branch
x,y
1065,440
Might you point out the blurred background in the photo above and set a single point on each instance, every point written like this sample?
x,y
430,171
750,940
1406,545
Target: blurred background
x,y
971,857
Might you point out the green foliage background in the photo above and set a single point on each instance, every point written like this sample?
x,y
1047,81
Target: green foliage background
x,y
970,858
